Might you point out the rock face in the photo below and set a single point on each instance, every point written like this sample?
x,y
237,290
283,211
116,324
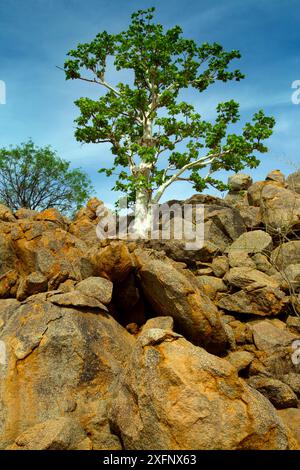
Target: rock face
x,y
280,207
252,242
291,417
142,344
53,434
56,366
262,301
293,182
173,395
279,393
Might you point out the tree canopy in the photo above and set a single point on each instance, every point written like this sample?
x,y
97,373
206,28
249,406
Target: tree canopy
x,y
37,178
157,138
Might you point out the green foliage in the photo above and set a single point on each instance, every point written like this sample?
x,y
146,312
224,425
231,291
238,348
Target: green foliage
x,y
36,178
145,122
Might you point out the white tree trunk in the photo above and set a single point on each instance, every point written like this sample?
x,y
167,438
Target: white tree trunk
x,y
142,220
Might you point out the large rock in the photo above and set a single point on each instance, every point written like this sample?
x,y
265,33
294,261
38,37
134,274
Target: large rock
x,y
31,284
8,259
279,393
59,362
112,262
222,225
211,285
280,207
173,395
291,418
286,254
97,287
261,301
85,222
6,214
293,182
43,247
239,181
251,215
23,213
267,336
53,434
293,381
243,277
257,241
255,191
276,175
171,292
220,266
76,298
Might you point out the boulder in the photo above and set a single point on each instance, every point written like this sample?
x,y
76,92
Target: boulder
x,y
173,395
9,283
286,254
6,214
84,224
242,332
243,277
31,284
276,175
211,285
293,323
171,292
268,336
257,241
163,323
251,215
8,259
97,287
293,182
255,191
263,264
291,278
53,434
60,362
52,215
280,207
261,301
112,262
291,418
23,213
128,301
220,266
239,258
239,181
222,225
76,298
279,393
7,307
240,359
292,379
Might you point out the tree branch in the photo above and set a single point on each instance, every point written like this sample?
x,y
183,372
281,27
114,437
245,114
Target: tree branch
x,y
207,160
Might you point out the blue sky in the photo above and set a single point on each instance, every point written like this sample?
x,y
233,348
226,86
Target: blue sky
x,y
35,36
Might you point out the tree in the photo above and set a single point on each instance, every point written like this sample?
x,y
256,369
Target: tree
x,y
36,178
156,138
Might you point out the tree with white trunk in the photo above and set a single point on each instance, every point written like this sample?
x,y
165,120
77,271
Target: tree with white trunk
x,y
156,137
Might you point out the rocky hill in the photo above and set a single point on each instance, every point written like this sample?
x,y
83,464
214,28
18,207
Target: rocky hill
x,y
145,345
